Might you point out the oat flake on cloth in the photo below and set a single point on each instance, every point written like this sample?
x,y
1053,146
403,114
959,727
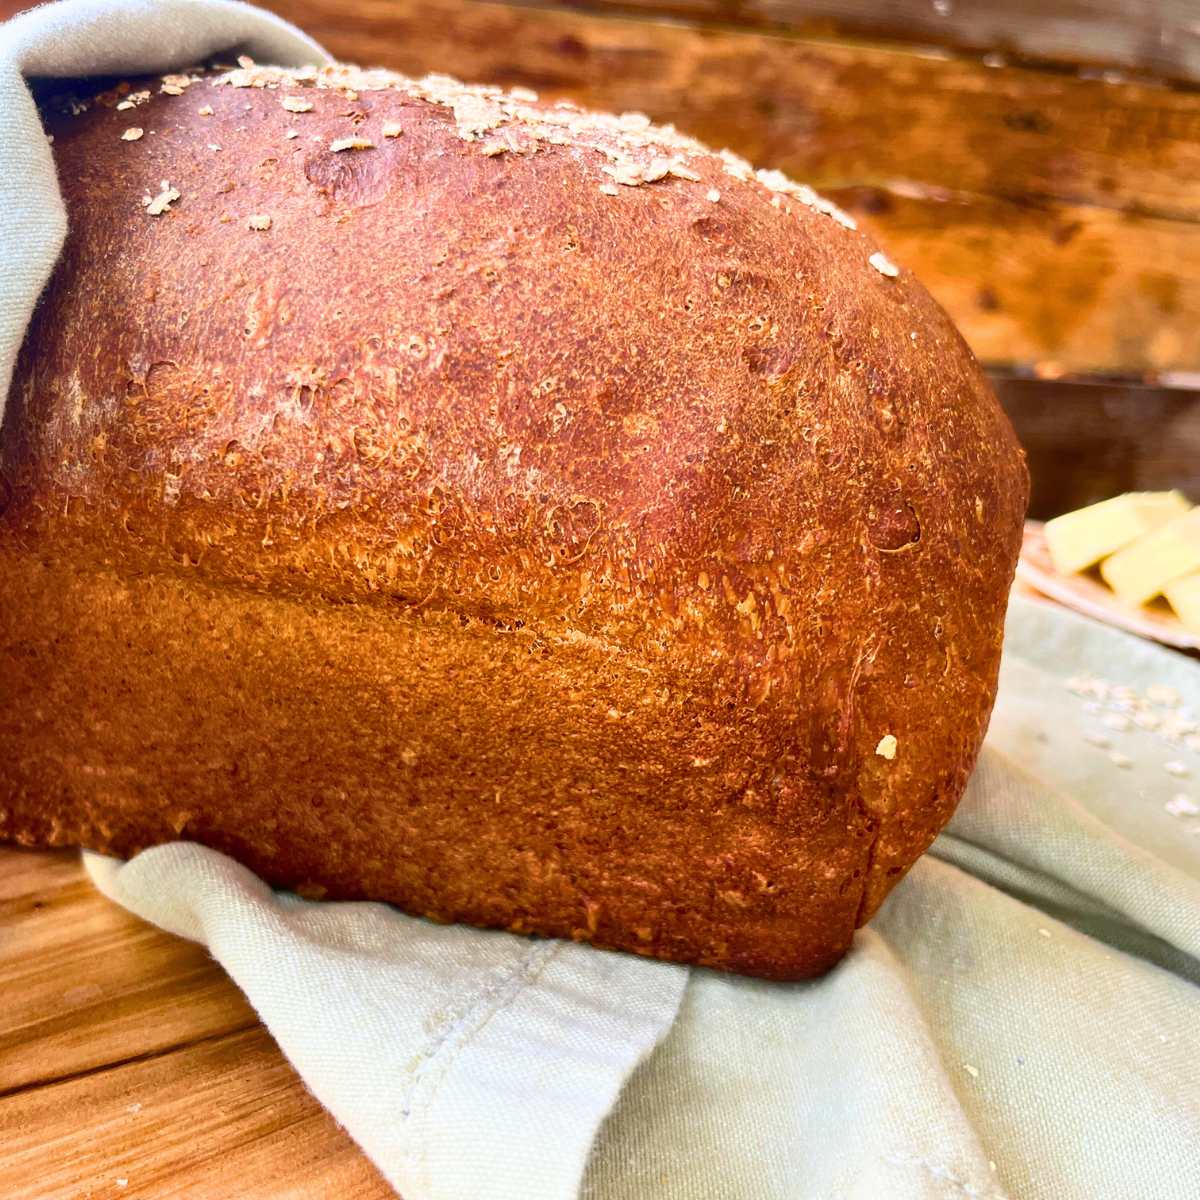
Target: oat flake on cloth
x,y
1022,1018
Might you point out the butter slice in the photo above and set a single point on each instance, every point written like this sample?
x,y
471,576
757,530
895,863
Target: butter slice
x,y
1141,571
1080,539
1184,597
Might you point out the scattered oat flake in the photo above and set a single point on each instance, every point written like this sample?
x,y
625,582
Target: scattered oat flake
x,y
682,172
392,129
121,1182
132,134
157,205
523,93
135,1107
626,173
475,114
259,221
351,143
843,218
1043,932
883,264
609,190
245,62
887,746
296,104
1120,760
291,133
1178,769
206,111
213,147
713,196
971,1070
1097,739
133,100
1182,806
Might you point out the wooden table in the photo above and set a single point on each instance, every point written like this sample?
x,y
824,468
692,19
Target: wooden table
x,y
130,1065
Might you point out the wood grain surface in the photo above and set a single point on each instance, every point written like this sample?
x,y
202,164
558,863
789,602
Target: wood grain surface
x,y
1153,37
131,1066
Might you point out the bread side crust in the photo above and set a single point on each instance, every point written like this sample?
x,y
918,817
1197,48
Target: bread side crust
x,y
345,753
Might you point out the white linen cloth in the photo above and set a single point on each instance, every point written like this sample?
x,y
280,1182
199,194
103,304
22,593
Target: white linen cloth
x,y
1022,1018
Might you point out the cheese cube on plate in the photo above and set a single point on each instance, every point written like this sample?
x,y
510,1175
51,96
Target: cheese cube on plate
x,y
1184,597
1080,539
1141,571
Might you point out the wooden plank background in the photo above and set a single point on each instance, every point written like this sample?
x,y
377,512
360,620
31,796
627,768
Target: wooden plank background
x,y
131,1066
1156,38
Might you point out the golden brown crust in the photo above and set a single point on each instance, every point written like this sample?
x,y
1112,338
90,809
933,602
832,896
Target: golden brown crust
x,y
524,516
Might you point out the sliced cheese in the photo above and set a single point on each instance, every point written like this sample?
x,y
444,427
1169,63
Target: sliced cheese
x,y
1080,539
1141,571
1184,597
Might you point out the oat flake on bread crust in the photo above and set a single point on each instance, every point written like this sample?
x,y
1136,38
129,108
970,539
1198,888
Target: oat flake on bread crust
x,y
632,144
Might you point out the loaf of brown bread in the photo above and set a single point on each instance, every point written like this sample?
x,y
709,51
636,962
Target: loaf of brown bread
x,y
525,516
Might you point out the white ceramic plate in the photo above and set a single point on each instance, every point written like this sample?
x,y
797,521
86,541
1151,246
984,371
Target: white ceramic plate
x,y
1087,595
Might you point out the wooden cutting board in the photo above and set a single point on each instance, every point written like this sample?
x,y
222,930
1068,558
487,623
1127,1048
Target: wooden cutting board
x,y
130,1065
